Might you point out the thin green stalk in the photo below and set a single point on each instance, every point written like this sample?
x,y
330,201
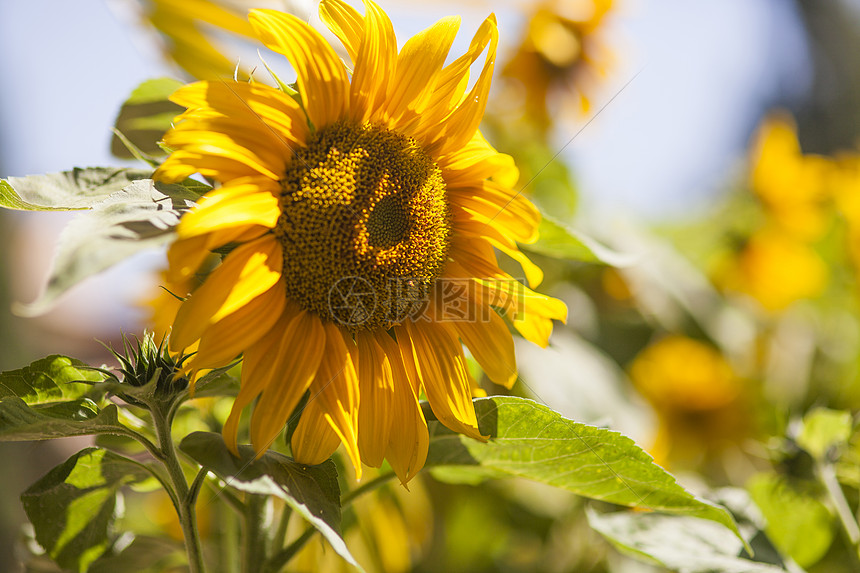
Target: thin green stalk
x,y
827,476
144,441
281,533
185,507
229,539
278,561
379,480
255,539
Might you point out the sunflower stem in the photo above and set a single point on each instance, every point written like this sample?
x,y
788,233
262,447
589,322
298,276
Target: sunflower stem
x,y
185,498
827,477
279,560
281,533
255,540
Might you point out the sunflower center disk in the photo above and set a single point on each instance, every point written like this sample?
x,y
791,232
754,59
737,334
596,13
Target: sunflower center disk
x,y
364,225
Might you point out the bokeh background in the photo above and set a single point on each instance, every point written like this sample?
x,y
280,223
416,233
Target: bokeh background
x,y
664,143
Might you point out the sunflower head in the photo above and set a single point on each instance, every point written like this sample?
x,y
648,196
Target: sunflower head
x,y
363,211
344,212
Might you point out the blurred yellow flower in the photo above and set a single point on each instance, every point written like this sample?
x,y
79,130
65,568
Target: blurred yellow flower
x,y
774,268
561,56
190,29
696,395
792,186
679,373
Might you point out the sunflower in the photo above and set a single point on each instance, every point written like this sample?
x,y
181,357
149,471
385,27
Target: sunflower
x,y
701,404
791,185
561,56
360,219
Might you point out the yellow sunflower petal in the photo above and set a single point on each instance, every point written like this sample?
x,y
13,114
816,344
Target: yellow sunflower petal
x,y
438,360
476,161
246,273
314,440
418,66
476,257
260,107
231,206
462,123
222,146
453,80
509,212
335,392
299,353
226,339
531,313
492,345
345,22
409,441
322,79
376,387
187,254
374,64
474,226
262,360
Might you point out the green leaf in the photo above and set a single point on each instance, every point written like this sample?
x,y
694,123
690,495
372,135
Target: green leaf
x,y
80,188
145,554
20,422
73,506
48,380
798,524
824,429
140,216
558,241
683,544
530,440
145,116
312,491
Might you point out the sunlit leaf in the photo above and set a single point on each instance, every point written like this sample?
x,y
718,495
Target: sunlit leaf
x,y
532,441
72,508
312,491
558,241
682,544
49,379
145,116
824,429
145,554
140,216
798,523
82,417
80,188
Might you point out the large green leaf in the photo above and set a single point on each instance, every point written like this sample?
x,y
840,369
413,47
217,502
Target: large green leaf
x,y
312,491
20,422
558,241
140,216
682,544
798,523
145,116
49,379
73,506
532,441
80,188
